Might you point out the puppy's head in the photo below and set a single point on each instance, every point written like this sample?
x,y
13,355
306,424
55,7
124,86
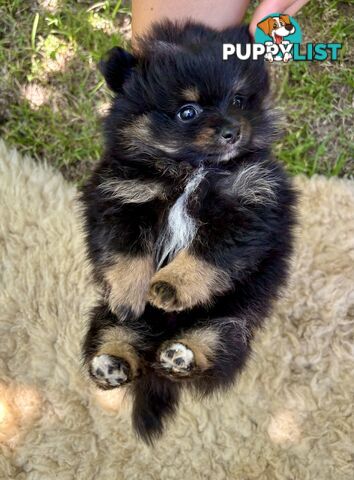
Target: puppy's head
x,y
177,97
277,27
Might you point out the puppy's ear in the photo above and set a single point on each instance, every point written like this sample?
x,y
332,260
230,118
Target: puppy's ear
x,y
266,25
285,18
116,67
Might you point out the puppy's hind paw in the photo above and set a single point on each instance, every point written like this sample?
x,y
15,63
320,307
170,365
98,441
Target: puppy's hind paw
x,y
109,372
176,359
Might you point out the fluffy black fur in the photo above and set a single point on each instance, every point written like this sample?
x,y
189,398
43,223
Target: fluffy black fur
x,y
243,208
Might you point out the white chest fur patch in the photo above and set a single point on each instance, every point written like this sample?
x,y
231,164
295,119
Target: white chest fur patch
x,y
181,227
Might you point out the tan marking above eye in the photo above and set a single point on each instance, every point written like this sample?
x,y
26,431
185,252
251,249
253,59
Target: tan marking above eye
x,y
191,94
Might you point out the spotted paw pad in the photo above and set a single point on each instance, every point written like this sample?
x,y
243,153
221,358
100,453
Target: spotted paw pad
x,y
109,372
176,358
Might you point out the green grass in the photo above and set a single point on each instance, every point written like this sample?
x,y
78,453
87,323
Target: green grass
x,y
317,97
57,50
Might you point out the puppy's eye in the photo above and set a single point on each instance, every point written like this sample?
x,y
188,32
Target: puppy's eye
x,y
189,112
238,101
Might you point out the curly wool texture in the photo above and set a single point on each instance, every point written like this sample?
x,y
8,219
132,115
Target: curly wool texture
x,y
290,415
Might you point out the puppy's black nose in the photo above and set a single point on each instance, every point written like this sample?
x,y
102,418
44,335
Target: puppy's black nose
x,y
230,135
289,27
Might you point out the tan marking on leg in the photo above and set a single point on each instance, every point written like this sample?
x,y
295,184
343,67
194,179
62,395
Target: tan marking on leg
x,y
129,278
185,282
119,342
203,342
191,94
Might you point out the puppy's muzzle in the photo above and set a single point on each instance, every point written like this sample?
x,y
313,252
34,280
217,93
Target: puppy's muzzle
x,y
290,27
230,134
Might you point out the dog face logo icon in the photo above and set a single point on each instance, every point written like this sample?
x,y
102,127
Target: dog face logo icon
x,y
280,32
277,27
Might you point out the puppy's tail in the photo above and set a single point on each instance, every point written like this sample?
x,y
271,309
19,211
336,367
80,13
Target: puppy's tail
x,y
155,400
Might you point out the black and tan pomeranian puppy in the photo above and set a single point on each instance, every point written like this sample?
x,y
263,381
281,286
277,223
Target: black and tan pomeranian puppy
x,y
188,219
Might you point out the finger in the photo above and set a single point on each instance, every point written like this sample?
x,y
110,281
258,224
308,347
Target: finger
x,y
295,7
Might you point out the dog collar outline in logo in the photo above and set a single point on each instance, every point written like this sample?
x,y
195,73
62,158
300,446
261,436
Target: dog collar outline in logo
x,y
278,32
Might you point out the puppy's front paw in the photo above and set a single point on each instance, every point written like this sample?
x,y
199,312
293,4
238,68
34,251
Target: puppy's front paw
x,y
109,372
176,359
165,296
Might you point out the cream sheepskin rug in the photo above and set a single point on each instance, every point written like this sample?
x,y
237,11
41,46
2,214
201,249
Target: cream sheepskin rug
x,y
289,417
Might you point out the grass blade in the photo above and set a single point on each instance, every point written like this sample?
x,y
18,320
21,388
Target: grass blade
x,y
34,31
